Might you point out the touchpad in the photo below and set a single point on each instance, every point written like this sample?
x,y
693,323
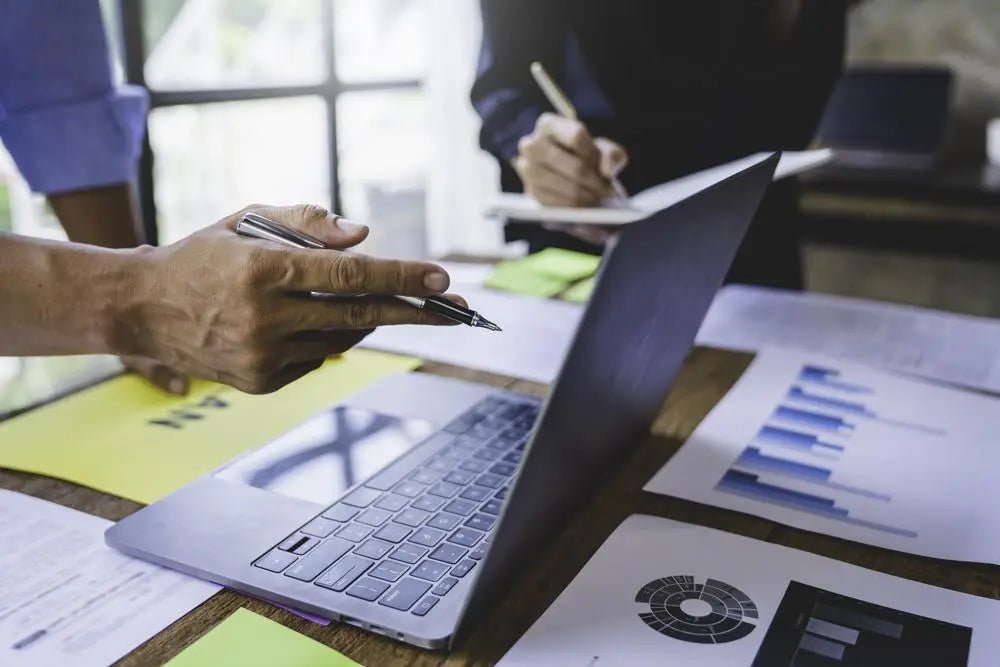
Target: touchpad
x,y
324,456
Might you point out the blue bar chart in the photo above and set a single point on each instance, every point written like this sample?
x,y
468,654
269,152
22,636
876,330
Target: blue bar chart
x,y
815,423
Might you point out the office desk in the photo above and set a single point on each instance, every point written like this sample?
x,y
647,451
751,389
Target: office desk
x,y
705,378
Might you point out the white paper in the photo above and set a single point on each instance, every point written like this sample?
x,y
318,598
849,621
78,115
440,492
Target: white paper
x,y
653,199
958,349
536,333
912,467
67,599
832,607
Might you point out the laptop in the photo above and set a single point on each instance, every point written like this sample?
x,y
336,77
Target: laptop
x,y
405,508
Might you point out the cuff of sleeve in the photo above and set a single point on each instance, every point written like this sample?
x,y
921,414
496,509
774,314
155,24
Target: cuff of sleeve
x,y
82,145
504,135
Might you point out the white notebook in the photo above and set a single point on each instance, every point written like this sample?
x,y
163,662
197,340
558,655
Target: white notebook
x,y
656,198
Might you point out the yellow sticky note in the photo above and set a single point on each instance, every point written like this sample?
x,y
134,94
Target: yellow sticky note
x,y
130,439
543,274
246,639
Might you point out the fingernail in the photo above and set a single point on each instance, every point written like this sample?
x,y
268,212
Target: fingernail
x,y
177,386
349,226
436,282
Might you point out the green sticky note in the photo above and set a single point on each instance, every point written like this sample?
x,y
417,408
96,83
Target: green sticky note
x,y
580,292
246,639
563,264
544,274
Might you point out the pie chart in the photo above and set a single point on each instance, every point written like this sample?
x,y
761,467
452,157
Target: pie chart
x,y
697,610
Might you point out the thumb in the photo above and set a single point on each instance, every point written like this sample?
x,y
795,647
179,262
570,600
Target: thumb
x,y
613,157
159,374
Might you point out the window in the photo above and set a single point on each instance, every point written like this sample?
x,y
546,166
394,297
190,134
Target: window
x,y
283,102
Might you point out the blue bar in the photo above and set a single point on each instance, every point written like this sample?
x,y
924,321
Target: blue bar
x,y
813,419
799,394
825,377
788,438
752,458
749,484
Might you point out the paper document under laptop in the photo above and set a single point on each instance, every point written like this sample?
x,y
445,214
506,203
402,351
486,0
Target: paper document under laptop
x,y
656,198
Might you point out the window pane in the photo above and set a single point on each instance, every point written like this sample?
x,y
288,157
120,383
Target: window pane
x,y
381,39
384,147
212,160
232,43
22,211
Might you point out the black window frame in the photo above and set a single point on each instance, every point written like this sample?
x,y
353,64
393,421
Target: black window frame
x,y
130,21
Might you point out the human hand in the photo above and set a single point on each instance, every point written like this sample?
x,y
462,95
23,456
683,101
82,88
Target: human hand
x,y
560,164
158,373
236,310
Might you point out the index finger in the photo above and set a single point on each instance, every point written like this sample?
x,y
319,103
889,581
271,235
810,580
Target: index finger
x,y
573,136
350,273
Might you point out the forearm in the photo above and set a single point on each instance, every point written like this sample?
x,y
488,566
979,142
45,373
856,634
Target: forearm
x,y
102,216
62,298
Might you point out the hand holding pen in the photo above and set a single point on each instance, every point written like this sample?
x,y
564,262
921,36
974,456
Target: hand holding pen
x,y
560,163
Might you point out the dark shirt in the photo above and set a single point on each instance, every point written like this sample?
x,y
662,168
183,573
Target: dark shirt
x,y
681,85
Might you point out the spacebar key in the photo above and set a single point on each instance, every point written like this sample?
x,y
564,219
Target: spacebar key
x,y
407,463
320,558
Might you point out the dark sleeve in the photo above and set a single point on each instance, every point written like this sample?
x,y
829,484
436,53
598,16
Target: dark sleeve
x,y
515,33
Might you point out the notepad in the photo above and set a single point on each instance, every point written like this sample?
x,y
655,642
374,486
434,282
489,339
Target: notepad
x,y
656,198
544,274
128,438
246,639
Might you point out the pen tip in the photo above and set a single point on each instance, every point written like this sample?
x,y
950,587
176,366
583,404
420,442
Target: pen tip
x,y
486,324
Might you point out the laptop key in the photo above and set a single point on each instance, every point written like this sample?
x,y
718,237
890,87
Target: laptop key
x,y
362,497
354,532
430,571
408,553
320,527
461,477
412,517
466,442
373,516
459,506
341,513
513,457
445,521
343,573
388,570
427,537
317,560
404,594
425,476
424,606
374,549
476,493
463,568
392,502
410,489
505,469
481,521
490,481
444,489
275,560
467,537
444,586
392,532
478,552
501,494
487,454
368,589
474,465
493,507
448,553
443,464
299,543
428,503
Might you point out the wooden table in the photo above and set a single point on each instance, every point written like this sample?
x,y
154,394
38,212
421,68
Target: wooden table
x,y
706,377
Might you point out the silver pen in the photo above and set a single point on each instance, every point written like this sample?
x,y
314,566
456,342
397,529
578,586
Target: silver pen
x,y
257,226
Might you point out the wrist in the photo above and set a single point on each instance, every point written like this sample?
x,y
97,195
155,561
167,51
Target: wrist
x,y
125,328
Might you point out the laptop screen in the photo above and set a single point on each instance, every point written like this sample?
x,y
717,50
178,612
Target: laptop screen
x,y
652,293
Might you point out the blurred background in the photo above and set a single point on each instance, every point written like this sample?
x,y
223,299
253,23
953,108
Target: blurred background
x,y
362,105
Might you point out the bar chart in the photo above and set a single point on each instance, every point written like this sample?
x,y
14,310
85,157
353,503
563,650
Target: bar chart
x,y
793,458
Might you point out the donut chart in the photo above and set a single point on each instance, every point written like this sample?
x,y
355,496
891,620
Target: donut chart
x,y
701,611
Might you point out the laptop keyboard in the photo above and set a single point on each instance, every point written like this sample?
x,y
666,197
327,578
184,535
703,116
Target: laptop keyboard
x,y
406,537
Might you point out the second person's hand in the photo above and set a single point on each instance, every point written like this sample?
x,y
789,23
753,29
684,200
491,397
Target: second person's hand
x,y
561,164
236,310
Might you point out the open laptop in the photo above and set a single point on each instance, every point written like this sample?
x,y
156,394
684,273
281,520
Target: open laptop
x,y
403,509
